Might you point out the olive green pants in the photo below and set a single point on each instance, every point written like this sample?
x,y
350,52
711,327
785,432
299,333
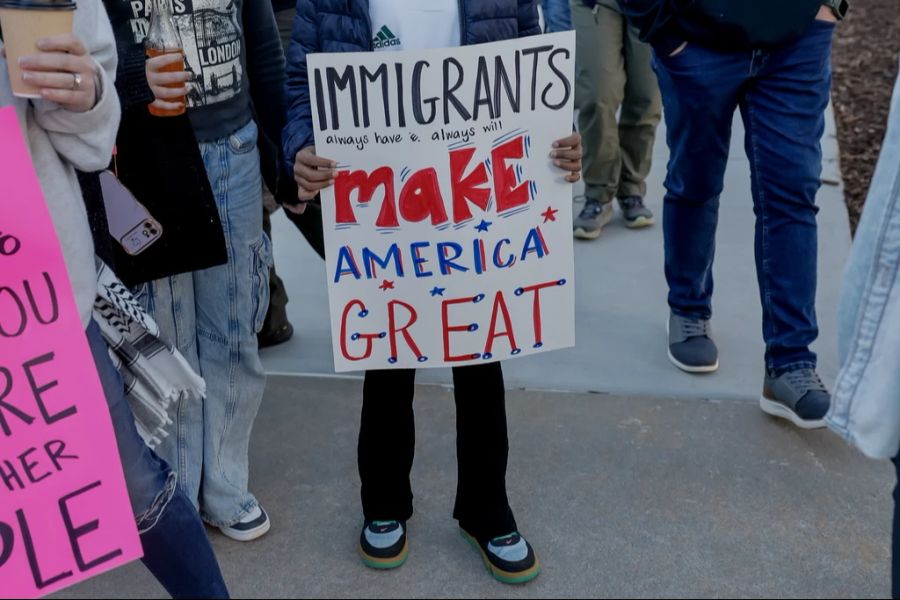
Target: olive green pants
x,y
613,74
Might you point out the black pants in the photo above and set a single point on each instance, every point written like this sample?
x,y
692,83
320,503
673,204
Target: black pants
x,y
387,441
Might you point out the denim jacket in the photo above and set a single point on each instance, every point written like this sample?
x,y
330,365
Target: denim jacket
x,y
866,405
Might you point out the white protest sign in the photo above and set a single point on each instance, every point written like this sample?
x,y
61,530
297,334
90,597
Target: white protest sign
x,y
448,230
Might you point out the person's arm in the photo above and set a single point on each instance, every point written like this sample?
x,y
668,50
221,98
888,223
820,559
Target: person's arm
x,y
85,138
655,20
265,67
298,132
529,19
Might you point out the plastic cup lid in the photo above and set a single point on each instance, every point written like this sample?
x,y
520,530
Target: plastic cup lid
x,y
38,4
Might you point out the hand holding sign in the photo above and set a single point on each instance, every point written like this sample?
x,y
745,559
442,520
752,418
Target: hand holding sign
x,y
312,174
567,154
447,224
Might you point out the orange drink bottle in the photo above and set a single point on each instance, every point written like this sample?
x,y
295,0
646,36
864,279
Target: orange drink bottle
x,y
162,39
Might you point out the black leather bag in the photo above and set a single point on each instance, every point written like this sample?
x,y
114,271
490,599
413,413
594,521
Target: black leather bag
x,y
159,161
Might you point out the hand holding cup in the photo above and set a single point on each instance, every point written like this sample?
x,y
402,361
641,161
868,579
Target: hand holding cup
x,y
63,72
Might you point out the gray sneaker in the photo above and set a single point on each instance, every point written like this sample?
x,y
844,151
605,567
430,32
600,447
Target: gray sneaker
x,y
634,212
798,396
691,347
593,218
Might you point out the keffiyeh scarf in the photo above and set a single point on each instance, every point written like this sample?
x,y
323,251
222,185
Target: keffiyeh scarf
x,y
156,375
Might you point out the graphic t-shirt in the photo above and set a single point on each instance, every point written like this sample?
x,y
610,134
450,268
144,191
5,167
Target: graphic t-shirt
x,y
414,24
212,35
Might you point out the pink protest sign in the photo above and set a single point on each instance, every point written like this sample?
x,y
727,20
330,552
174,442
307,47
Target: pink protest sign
x,y
64,509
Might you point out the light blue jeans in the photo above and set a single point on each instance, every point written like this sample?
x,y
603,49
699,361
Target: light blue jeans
x,y
213,316
866,405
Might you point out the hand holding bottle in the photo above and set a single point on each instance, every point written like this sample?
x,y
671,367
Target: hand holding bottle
x,y
166,73
167,79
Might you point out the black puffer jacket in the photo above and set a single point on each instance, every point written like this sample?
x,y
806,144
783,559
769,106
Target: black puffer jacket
x,y
280,5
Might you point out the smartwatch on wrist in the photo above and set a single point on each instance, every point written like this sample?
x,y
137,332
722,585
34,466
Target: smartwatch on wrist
x,y
840,8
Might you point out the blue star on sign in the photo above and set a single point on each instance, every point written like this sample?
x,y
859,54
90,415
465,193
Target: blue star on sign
x,y
438,291
483,226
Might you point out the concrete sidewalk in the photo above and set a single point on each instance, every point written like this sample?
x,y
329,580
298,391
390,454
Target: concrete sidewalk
x,y
664,484
621,300
621,497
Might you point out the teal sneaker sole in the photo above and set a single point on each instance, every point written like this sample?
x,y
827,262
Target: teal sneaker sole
x,y
499,574
385,564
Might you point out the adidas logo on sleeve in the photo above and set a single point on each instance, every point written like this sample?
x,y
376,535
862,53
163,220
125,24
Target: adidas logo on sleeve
x,y
385,39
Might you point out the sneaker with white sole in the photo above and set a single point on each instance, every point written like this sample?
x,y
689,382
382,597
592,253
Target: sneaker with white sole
x,y
798,396
691,347
594,216
383,544
253,526
636,215
508,558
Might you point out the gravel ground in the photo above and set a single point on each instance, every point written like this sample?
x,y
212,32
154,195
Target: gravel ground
x,y
867,48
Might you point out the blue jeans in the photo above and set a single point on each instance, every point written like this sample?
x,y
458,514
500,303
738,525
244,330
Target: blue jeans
x,y
212,317
864,408
782,95
557,15
176,549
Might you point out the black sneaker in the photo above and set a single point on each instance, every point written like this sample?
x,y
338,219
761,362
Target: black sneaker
x,y
273,337
509,558
383,544
634,212
798,396
691,347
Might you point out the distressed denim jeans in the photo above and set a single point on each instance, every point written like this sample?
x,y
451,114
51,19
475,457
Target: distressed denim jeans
x,y
176,549
150,481
866,405
782,95
212,317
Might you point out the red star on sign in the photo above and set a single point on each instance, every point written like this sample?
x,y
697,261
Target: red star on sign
x,y
387,285
549,214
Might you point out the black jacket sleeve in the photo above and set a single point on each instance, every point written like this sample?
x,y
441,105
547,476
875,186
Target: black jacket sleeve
x,y
265,66
265,69
655,19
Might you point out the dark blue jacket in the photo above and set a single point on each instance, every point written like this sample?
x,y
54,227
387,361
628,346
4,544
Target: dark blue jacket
x,y
722,24
344,26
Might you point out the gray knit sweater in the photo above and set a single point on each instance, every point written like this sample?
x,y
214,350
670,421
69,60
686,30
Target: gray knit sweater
x,y
61,141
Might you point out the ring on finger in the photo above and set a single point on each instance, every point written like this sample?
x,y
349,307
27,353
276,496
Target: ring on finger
x,y
76,81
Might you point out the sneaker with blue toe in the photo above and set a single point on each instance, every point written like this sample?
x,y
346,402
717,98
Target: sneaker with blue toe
x,y
508,558
383,544
798,396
